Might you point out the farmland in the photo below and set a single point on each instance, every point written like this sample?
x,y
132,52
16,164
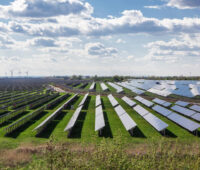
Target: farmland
x,y
83,135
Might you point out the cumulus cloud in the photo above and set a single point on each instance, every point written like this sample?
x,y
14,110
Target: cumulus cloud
x,y
153,7
98,49
119,41
44,8
44,42
130,22
175,49
184,4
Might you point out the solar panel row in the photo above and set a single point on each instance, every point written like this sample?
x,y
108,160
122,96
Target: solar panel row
x,y
43,125
112,100
126,120
92,86
103,86
195,107
181,103
75,116
161,102
180,120
144,101
99,117
157,123
128,101
119,89
186,112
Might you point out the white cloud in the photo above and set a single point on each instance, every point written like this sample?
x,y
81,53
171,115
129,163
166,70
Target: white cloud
x,y
176,49
119,41
153,7
98,49
184,4
130,22
44,8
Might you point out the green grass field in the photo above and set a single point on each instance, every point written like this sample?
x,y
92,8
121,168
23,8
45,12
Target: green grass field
x,y
84,129
83,136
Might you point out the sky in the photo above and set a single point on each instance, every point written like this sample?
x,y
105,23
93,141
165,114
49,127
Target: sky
x,y
100,37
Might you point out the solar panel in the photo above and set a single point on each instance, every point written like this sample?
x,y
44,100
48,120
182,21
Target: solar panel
x,y
128,101
84,99
73,119
182,103
42,125
128,122
158,101
144,101
158,124
195,107
99,123
138,98
104,87
119,110
161,102
196,116
163,111
119,89
182,110
184,122
98,100
98,110
133,89
112,100
99,119
139,109
166,104
92,86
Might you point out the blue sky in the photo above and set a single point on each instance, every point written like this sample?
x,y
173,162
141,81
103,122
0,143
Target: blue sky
x,y
89,37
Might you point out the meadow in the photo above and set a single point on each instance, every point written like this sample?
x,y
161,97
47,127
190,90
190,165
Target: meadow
x,y
115,148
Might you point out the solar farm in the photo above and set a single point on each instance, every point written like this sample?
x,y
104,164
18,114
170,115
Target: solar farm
x,y
133,111
99,110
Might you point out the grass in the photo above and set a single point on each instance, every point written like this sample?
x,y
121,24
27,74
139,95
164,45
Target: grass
x,y
85,128
84,134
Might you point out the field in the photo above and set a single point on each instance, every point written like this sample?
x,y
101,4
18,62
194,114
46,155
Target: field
x,y
115,148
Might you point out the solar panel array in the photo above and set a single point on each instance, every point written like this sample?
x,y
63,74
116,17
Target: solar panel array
x,y
182,110
99,117
140,110
133,89
98,100
128,101
119,89
84,99
144,101
73,119
161,102
164,87
75,116
92,86
42,125
126,120
178,119
112,100
184,122
186,112
182,103
103,86
157,123
163,111
195,107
